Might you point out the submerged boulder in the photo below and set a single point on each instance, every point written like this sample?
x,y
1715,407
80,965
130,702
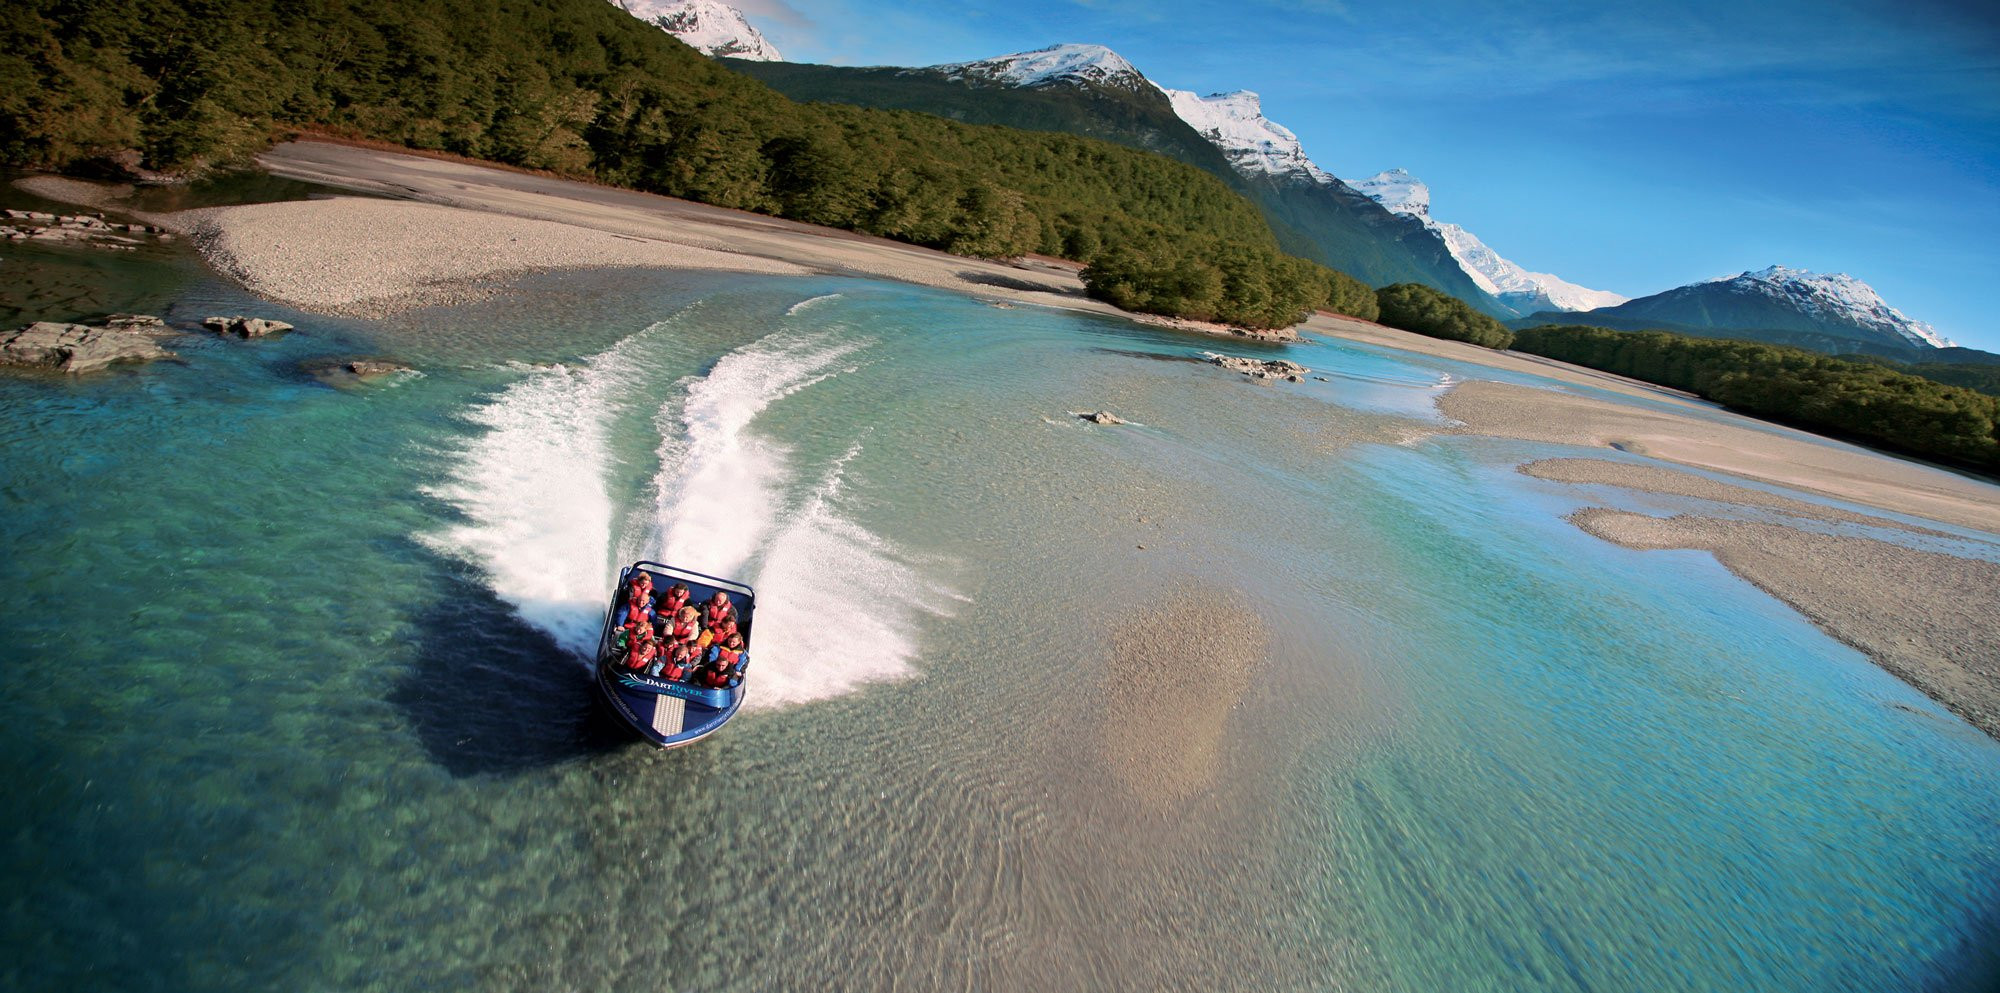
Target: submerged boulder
x,y
79,348
245,327
1103,417
349,372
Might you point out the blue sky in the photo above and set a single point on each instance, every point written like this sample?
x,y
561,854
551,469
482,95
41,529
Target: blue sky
x,y
1624,148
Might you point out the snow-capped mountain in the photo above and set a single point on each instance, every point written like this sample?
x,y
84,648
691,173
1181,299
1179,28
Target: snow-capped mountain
x,y
1834,299
708,26
1831,313
1527,292
1054,65
1255,145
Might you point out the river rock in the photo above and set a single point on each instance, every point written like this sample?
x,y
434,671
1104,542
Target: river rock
x,y
78,348
1260,368
245,327
1103,417
347,372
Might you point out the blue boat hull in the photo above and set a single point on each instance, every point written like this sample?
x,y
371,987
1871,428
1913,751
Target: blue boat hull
x,y
666,713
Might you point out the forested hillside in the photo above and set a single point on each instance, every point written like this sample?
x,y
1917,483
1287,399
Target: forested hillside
x,y
580,88
1858,399
1325,223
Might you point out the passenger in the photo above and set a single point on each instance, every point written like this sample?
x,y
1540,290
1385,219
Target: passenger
x,y
674,662
676,597
726,663
721,633
643,649
638,598
718,608
685,628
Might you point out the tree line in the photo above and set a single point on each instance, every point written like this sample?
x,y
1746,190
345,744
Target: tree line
x,y
1862,400
580,88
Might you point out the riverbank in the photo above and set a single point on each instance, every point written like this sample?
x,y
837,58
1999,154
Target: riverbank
x,y
450,232
1933,620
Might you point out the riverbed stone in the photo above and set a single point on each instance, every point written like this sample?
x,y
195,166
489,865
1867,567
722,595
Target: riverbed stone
x,y
77,348
245,327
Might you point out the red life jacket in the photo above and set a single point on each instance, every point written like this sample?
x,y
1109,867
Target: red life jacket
x,y
713,615
673,601
642,653
686,630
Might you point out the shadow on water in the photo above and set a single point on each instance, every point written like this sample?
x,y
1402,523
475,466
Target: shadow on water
x,y
490,694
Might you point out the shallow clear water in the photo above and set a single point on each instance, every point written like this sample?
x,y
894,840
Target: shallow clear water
x,y
292,698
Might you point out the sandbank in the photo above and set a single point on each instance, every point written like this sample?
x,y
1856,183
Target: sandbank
x,y
460,208
1177,668
1933,620
1725,443
1675,482
366,257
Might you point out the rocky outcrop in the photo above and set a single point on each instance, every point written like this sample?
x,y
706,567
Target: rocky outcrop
x,y
1290,372
39,226
80,348
245,327
1102,417
350,372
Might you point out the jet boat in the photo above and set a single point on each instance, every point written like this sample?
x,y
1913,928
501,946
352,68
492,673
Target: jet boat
x,y
669,712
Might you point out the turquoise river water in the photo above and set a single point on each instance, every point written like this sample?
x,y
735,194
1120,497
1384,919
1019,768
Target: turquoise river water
x,y
293,694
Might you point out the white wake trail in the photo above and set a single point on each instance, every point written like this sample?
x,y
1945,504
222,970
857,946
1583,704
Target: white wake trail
x,y
837,606
531,487
720,482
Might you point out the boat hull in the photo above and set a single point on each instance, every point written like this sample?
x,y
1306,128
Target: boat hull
x,y
665,714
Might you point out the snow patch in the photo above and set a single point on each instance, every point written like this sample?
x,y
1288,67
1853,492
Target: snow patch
x,y
1526,291
1255,145
1837,297
1056,64
712,28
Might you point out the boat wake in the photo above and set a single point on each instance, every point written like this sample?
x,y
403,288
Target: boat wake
x,y
531,489
538,488
837,605
803,305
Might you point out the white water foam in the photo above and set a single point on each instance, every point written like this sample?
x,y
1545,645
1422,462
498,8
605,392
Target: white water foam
x,y
531,488
837,606
719,482
795,309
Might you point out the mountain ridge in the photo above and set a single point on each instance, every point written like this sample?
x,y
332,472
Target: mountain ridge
x,y
1828,312
710,27
1525,291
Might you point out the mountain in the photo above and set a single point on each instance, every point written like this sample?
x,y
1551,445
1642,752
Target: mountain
x,y
1021,93
1056,65
1090,90
1255,145
1526,292
1832,313
710,27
